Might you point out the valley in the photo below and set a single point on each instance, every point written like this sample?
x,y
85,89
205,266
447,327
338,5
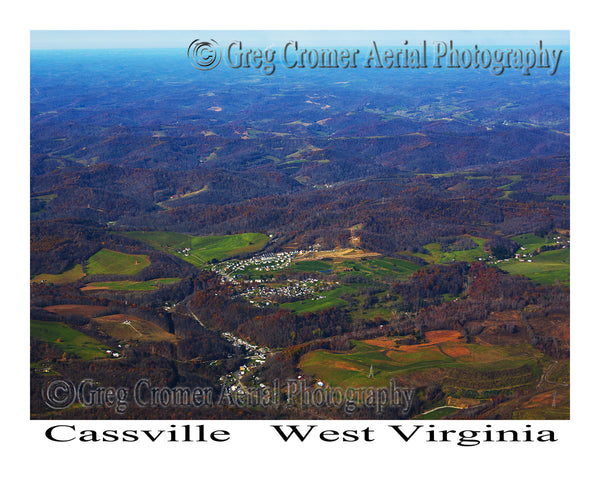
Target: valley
x,y
345,230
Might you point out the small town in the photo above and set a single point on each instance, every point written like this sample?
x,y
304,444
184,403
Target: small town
x,y
296,289
233,270
256,356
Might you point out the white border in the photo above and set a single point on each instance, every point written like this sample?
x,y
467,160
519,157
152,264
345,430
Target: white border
x,y
254,451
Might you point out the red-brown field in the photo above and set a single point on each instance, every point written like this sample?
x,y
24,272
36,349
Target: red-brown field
x,y
92,287
455,351
127,328
85,310
434,337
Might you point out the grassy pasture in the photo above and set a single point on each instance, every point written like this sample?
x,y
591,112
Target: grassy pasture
x,y
436,255
202,249
67,276
67,339
378,267
513,179
546,268
530,242
110,262
46,198
372,266
332,299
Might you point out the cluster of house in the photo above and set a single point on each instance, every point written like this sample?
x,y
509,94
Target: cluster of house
x,y
238,342
184,251
257,356
558,240
524,256
260,263
310,287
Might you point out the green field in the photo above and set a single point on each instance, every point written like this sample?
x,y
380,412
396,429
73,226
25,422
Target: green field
x,y
46,198
506,188
378,267
513,179
202,249
436,255
67,339
546,268
132,285
67,276
530,242
108,261
351,369
332,299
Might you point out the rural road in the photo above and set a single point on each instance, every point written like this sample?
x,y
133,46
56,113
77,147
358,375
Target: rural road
x,y
194,315
438,408
545,377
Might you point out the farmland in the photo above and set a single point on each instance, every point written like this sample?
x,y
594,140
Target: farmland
x,y
111,262
67,276
74,309
533,258
552,405
529,241
104,262
469,368
369,269
356,263
546,268
127,328
199,251
366,269
68,340
326,299
379,267
436,253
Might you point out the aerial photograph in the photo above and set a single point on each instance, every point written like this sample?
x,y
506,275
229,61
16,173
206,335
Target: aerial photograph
x,y
299,225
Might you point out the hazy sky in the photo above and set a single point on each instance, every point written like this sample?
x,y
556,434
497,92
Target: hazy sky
x,y
79,39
